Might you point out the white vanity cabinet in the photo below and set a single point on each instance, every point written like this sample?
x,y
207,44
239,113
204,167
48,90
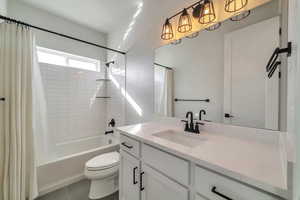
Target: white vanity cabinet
x,y
171,166
139,181
146,183
130,145
215,186
129,177
148,173
156,186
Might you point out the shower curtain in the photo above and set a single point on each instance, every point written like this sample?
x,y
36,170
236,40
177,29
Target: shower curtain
x,y
163,92
17,62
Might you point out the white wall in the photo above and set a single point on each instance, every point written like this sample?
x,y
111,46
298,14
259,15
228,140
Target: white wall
x,y
2,12
294,91
294,94
139,80
3,7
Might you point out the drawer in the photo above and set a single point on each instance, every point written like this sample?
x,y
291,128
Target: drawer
x,y
130,145
206,180
170,165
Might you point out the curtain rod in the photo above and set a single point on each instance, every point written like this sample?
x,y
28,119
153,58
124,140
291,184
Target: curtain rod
x,y
163,66
59,34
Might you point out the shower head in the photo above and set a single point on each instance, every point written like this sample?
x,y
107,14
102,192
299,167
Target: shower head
x,y
108,63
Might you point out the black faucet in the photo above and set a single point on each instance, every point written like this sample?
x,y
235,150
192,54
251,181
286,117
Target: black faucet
x,y
189,125
200,114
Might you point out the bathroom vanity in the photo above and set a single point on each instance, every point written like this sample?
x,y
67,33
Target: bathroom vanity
x,y
223,74
159,161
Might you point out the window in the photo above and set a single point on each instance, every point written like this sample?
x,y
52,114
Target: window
x,y
54,57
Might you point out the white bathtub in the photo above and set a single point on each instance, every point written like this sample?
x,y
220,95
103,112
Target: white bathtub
x,y
68,166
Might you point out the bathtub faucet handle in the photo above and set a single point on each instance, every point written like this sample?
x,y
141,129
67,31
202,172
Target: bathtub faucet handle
x,y
112,123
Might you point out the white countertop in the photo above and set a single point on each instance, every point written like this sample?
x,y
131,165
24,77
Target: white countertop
x,y
254,161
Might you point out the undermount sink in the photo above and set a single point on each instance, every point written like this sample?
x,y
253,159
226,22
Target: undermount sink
x,y
185,139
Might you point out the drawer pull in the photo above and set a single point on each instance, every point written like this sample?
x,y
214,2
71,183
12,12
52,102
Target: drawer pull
x,y
214,190
134,170
126,145
141,181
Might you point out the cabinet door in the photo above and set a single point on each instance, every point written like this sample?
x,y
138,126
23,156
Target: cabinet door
x,y
156,186
129,177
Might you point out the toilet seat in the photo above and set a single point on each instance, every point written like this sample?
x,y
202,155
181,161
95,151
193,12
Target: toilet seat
x,y
102,162
99,174
103,171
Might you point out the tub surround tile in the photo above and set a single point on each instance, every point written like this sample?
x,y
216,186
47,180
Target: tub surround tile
x,y
72,110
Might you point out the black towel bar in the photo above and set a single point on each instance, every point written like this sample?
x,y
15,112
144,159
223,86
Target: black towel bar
x,y
103,97
273,63
204,100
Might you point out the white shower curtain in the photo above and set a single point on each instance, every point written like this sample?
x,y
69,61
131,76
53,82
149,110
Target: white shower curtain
x,y
17,57
163,91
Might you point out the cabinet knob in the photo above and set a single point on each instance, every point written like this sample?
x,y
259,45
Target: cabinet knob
x,y
126,145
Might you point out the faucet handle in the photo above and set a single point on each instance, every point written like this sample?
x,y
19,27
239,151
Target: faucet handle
x,y
186,127
200,123
197,130
112,123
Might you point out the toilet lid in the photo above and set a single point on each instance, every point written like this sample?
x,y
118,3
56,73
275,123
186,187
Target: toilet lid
x,y
103,161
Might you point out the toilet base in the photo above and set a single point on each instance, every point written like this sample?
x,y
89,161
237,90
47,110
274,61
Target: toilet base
x,y
101,188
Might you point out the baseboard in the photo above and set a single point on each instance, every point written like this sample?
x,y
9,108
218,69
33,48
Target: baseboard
x,y
60,184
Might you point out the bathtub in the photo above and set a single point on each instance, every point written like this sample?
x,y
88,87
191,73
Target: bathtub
x,y
68,166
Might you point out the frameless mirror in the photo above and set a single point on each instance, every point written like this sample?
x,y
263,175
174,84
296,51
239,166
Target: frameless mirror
x,y
223,73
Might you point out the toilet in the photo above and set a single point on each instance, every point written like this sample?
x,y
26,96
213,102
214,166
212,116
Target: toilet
x,y
103,170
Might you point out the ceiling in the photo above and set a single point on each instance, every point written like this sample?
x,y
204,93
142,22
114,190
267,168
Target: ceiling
x,y
102,15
